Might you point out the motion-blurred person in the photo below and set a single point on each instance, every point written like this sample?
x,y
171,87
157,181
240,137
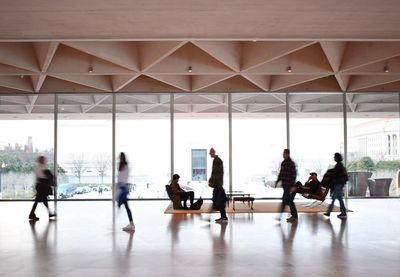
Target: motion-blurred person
x,y
339,178
123,190
287,176
44,180
216,181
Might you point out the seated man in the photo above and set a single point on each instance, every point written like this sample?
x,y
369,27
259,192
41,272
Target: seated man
x,y
184,195
312,185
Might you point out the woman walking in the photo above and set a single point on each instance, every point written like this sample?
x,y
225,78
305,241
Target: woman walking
x,y
44,181
123,190
339,178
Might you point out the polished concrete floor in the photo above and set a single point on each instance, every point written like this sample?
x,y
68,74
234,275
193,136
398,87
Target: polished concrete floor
x,y
87,240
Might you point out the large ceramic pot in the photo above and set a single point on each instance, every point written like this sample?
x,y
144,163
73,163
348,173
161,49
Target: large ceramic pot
x,y
380,187
358,182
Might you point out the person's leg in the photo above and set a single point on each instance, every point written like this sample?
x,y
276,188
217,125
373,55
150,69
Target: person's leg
x,y
32,213
339,196
131,225
184,197
334,196
220,202
285,198
191,197
128,211
293,210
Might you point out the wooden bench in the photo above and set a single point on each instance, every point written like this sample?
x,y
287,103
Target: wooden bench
x,y
248,199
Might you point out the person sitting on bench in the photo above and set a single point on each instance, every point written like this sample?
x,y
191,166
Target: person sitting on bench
x,y
312,185
177,190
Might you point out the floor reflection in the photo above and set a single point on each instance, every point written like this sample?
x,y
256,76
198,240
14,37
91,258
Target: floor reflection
x,y
44,251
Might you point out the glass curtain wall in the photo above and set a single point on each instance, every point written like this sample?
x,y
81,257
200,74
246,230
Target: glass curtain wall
x,y
143,134
27,131
316,132
373,144
258,139
84,146
200,122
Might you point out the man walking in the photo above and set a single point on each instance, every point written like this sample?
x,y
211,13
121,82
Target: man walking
x,y
216,181
287,175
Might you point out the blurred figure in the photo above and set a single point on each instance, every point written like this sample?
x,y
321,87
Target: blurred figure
x,y
44,182
287,176
123,190
216,181
183,195
339,178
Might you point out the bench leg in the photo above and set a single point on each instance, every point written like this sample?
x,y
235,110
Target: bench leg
x,y
233,205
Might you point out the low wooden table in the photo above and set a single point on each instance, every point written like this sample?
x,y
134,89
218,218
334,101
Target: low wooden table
x,y
248,199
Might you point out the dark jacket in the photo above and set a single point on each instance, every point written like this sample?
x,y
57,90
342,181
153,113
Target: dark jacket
x,y
44,186
339,174
175,188
217,173
288,173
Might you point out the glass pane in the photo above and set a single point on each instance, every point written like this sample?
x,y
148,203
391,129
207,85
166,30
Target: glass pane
x,y
201,122
84,146
373,131
143,134
258,137
316,132
27,131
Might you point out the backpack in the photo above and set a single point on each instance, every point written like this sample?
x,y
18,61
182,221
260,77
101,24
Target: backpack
x,y
197,205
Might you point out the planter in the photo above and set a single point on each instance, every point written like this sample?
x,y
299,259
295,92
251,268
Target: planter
x,y
380,187
358,183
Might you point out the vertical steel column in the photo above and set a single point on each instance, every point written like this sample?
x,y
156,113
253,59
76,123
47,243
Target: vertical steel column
x,y
55,145
230,140
287,122
113,153
345,138
171,111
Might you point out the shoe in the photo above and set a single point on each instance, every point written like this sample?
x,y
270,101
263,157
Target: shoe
x,y
327,214
129,228
221,219
33,217
342,216
291,219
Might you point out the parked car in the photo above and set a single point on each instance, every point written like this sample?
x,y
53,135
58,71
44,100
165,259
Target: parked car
x,y
79,190
65,190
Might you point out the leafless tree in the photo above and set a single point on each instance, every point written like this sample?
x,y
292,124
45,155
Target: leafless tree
x,y
78,165
102,162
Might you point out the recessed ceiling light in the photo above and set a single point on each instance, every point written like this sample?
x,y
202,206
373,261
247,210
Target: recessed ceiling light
x,y
254,40
21,76
190,69
90,69
386,69
289,69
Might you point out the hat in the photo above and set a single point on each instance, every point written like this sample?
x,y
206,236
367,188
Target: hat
x,y
313,173
175,177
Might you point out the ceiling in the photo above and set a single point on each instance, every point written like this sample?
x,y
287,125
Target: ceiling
x,y
199,66
199,46
99,106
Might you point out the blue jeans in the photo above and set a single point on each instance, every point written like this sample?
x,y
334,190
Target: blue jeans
x,y
337,194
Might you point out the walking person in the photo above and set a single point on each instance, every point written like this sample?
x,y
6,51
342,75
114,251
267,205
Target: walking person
x,y
339,178
287,175
216,181
43,182
123,190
